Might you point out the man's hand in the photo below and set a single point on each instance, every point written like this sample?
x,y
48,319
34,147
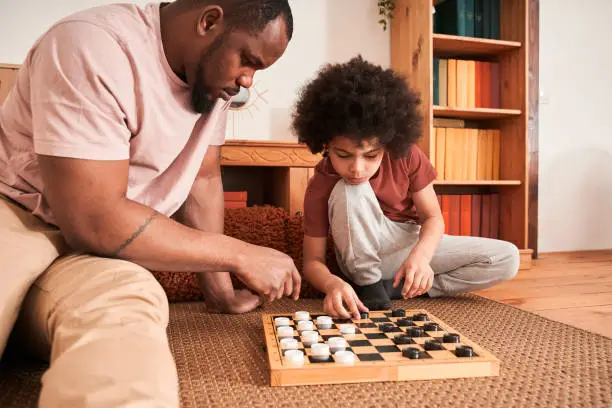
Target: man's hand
x,y
268,272
417,274
339,293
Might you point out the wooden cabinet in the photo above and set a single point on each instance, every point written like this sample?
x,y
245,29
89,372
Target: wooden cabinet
x,y
8,74
274,173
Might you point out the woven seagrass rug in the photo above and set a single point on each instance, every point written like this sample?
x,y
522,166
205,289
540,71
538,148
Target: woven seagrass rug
x,y
221,363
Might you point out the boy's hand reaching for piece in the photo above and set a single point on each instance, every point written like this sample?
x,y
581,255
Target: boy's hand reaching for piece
x,y
417,274
339,294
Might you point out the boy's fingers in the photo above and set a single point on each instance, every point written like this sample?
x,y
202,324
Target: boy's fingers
x,y
352,305
360,305
398,277
416,286
408,282
339,307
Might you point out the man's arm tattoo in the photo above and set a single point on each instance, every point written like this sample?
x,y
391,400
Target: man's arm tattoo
x,y
136,234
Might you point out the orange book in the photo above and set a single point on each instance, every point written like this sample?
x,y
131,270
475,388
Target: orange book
x,y
450,157
466,215
462,83
455,215
465,154
481,155
496,136
440,152
451,82
446,212
489,154
472,159
471,84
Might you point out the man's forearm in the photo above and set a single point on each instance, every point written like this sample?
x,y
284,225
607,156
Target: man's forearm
x,y
139,234
204,210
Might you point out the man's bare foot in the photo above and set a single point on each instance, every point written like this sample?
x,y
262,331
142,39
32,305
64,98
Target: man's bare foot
x,y
243,301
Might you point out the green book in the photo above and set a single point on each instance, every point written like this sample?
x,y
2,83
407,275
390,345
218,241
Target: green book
x,y
436,81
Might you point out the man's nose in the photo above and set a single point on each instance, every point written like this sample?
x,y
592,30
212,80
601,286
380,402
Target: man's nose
x,y
245,81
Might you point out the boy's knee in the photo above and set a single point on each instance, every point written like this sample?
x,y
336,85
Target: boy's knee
x,y
507,260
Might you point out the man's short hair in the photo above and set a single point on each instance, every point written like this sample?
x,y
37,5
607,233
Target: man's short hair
x,y
255,15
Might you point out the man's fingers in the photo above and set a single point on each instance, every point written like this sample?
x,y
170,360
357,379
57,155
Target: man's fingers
x,y
288,287
297,284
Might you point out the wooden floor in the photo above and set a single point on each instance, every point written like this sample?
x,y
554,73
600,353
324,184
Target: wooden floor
x,y
573,288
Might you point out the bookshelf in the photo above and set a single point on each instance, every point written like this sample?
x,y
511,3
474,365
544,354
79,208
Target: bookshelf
x,y
415,47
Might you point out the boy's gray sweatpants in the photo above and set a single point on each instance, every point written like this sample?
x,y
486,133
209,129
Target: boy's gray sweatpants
x,y
371,247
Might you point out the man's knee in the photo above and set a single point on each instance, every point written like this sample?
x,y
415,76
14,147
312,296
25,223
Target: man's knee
x,y
115,294
138,294
506,261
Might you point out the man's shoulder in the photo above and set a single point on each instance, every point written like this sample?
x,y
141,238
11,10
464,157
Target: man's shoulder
x,y
126,23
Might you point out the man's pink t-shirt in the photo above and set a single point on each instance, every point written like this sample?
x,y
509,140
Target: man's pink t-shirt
x,y
98,86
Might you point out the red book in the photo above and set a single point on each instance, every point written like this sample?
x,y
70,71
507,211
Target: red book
x,y
476,215
495,211
485,221
479,84
466,215
495,86
235,204
235,195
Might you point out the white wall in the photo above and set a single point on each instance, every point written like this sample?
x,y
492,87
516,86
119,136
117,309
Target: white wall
x,y
575,178
325,31
23,21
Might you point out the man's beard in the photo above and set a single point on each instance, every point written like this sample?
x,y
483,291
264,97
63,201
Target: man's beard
x,y
202,100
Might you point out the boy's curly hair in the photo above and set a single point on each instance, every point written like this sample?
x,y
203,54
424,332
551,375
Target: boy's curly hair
x,y
360,101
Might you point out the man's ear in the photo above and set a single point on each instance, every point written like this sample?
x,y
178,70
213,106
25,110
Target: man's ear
x,y
210,18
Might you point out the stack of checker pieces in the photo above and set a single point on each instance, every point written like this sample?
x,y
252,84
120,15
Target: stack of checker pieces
x,y
389,345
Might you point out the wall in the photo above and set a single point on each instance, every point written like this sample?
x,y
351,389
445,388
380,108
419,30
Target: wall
x,y
325,31
575,178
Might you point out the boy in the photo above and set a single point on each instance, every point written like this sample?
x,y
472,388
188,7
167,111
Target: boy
x,y
373,190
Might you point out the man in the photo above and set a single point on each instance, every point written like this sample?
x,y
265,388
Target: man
x,y
115,125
